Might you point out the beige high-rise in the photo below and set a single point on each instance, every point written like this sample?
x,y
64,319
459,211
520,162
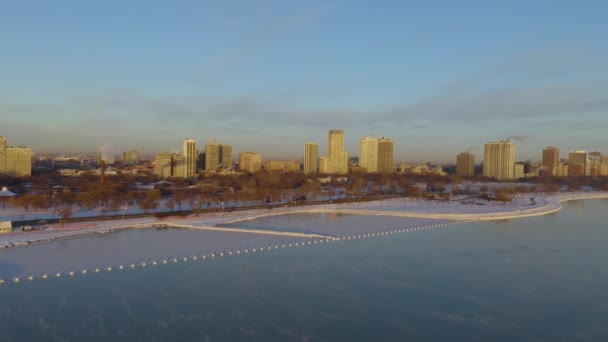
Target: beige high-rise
x,y
212,156
465,164
190,156
499,159
225,156
385,155
368,154
217,156
15,161
311,157
250,161
337,157
551,161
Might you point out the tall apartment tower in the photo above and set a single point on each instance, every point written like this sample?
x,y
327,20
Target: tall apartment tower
x,y
385,155
250,161
338,158
551,161
190,155
3,148
225,156
465,164
15,161
212,156
578,163
499,159
311,157
368,154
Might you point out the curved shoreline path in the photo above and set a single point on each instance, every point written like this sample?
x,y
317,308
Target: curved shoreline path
x,y
549,204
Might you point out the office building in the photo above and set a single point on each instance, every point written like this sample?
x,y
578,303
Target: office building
x,y
190,156
311,157
250,162
499,159
15,161
465,164
551,161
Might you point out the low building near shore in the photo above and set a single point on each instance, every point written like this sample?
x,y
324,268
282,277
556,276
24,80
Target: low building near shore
x,y
6,227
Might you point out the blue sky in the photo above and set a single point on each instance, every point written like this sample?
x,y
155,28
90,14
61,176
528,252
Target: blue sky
x,y
438,77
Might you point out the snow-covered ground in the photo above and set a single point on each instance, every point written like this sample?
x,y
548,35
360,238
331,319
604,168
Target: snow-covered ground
x,y
403,207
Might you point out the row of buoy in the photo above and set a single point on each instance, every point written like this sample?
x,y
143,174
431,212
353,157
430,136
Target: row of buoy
x,y
238,251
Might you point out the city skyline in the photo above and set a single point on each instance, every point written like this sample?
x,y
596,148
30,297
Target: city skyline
x,y
73,83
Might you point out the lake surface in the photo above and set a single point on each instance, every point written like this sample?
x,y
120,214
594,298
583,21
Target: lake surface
x,y
542,278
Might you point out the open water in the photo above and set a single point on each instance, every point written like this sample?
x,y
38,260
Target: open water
x,y
542,278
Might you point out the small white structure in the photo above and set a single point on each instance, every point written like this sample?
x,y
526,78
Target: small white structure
x,y
6,193
6,227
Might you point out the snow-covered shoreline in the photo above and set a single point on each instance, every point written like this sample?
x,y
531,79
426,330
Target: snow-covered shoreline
x,y
543,204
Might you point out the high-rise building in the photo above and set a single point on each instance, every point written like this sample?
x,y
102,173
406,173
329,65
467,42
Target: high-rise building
x,y
599,164
311,157
217,156
499,159
225,156
212,156
578,163
368,154
200,163
130,157
551,161
15,161
190,156
465,164
385,155
250,161
337,159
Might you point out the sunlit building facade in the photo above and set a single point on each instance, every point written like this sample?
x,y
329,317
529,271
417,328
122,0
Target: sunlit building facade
x,y
499,159
15,161
465,164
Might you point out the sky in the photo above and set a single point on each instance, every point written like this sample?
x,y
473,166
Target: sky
x,y
437,77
